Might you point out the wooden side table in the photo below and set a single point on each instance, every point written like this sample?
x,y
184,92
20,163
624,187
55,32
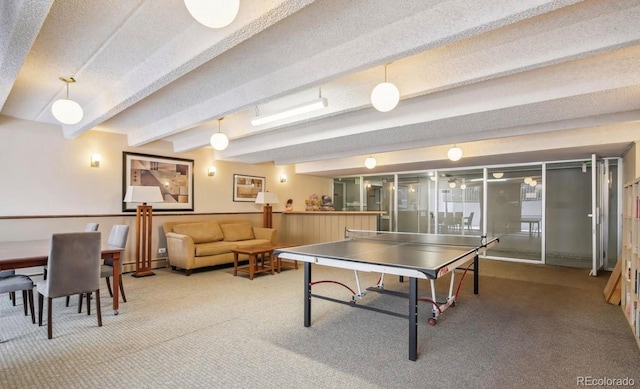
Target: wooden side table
x,y
265,252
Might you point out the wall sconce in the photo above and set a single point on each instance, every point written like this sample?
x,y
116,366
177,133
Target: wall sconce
x,y
95,160
452,183
211,171
497,174
283,178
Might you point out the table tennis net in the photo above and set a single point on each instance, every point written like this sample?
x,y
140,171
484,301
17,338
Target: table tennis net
x,y
416,238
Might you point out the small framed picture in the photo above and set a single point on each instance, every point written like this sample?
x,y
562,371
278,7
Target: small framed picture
x,y
246,188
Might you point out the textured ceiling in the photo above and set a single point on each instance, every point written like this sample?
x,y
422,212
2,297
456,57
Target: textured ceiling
x,y
553,80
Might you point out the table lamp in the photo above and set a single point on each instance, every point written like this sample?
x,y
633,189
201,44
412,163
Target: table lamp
x,y
144,218
267,198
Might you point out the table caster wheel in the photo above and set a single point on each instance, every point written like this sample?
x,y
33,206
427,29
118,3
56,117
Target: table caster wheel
x,y
431,321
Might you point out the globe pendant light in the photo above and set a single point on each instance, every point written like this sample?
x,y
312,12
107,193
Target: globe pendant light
x,y
385,96
219,141
454,153
213,13
370,162
64,110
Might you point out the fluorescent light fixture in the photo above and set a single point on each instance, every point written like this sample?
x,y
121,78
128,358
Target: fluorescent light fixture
x,y
489,179
310,106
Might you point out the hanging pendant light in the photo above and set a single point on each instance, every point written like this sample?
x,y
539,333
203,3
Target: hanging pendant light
x,y
370,162
64,110
219,141
454,153
213,13
385,96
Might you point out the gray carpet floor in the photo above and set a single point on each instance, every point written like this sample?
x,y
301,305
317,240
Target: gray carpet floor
x,y
530,327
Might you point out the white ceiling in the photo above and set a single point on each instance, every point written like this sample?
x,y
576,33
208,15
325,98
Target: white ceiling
x,y
506,80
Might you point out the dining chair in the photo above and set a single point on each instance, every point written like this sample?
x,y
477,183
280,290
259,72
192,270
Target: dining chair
x,y
468,220
74,268
19,282
91,227
7,273
117,238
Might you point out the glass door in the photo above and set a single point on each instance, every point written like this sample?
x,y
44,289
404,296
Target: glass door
x,y
415,208
379,195
515,211
569,204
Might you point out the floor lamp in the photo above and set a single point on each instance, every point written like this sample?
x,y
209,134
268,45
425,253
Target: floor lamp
x,y
144,229
267,198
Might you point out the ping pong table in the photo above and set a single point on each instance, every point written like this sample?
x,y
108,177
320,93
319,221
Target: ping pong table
x,y
417,256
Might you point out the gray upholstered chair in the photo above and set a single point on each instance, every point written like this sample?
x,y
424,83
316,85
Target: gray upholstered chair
x,y
91,227
7,273
19,282
73,268
117,238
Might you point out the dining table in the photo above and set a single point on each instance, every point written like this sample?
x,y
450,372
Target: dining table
x,y
33,253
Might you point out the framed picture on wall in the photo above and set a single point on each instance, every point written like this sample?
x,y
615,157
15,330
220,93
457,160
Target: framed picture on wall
x,y
174,177
246,188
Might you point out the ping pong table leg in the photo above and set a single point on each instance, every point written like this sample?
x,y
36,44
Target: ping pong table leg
x,y
413,318
307,294
476,271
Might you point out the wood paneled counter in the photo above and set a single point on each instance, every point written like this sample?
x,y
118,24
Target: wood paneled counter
x,y
306,227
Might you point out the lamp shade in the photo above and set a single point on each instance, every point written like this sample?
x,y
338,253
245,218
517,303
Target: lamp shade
x,y
267,198
143,194
370,163
67,111
454,153
219,141
385,96
213,13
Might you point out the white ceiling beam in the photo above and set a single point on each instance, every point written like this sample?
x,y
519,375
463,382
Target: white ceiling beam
x,y
175,59
394,40
21,21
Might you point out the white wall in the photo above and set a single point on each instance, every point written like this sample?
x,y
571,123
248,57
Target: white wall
x,y
46,174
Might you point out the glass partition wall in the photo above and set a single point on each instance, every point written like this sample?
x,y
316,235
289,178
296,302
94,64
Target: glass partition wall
x,y
539,211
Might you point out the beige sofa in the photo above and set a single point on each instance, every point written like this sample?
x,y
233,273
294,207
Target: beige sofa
x,y
192,245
